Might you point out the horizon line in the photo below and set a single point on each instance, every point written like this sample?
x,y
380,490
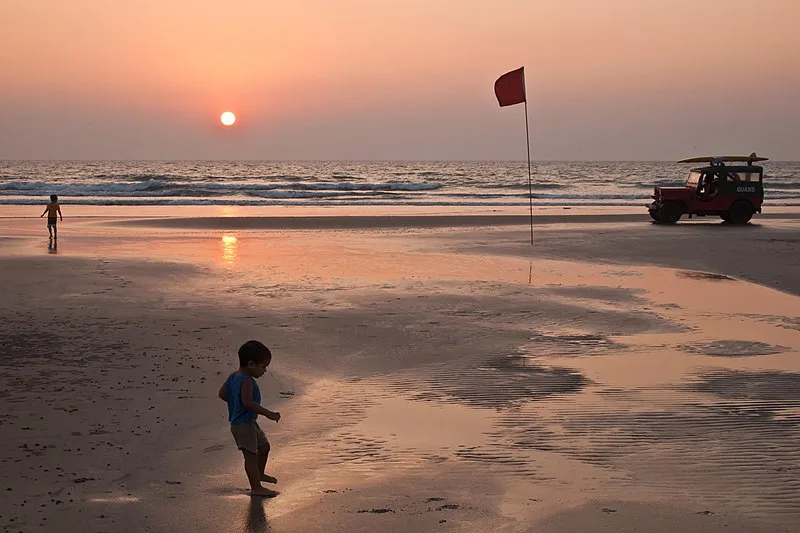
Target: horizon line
x,y
368,160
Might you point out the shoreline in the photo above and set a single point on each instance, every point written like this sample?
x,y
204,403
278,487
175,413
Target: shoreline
x,y
370,222
192,211
368,217
189,211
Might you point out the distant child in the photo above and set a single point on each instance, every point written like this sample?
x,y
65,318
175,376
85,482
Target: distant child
x,y
52,210
243,396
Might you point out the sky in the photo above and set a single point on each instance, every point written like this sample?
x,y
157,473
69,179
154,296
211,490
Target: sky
x,y
398,79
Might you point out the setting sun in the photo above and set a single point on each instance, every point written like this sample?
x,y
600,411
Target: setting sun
x,y
227,118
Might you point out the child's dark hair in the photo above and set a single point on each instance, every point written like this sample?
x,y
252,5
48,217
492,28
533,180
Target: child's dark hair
x,y
53,198
254,351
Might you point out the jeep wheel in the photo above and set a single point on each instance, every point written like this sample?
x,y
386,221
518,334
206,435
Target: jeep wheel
x,y
670,212
654,215
740,213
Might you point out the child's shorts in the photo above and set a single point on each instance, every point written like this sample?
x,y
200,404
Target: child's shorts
x,y
249,437
51,222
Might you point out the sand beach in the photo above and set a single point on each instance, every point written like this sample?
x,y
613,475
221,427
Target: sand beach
x,y
434,372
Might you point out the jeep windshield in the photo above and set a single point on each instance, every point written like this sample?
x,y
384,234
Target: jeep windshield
x,y
693,179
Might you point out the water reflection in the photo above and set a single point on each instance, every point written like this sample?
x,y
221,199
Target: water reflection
x,y
230,252
255,520
52,246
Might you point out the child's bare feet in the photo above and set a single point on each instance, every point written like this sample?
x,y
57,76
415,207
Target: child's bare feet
x,y
268,479
263,492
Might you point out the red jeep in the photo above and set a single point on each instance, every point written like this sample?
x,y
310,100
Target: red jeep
x,y
733,193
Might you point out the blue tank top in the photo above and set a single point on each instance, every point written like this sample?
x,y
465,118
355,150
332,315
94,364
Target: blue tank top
x,y
237,412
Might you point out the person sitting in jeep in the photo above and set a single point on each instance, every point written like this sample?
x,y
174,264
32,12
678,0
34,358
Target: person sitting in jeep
x,y
709,186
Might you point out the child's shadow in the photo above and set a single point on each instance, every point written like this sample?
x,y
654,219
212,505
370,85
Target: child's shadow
x,y
255,520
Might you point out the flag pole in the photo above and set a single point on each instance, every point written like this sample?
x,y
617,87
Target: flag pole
x,y
510,90
528,144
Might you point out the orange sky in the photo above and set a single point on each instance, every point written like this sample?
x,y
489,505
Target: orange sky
x,y
397,79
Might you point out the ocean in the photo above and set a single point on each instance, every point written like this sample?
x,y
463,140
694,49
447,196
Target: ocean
x,y
351,183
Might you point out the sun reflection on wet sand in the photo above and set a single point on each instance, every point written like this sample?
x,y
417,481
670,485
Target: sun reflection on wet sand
x,y
230,249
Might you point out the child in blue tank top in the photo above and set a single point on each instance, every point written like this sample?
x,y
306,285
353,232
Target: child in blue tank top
x,y
243,397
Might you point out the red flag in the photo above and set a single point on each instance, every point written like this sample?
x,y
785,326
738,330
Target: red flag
x,y
510,87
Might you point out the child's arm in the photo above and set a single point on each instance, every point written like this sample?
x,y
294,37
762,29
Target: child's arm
x,y
58,207
250,405
223,392
45,211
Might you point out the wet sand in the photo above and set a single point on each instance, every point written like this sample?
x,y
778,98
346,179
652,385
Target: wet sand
x,y
437,375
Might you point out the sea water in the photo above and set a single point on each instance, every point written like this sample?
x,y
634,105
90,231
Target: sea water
x,y
351,183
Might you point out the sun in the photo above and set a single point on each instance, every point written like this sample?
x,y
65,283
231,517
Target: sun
x,y
227,118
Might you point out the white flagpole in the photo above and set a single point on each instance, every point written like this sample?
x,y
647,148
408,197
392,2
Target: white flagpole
x,y
528,144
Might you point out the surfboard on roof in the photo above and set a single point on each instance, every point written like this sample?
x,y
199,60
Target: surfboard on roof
x,y
749,159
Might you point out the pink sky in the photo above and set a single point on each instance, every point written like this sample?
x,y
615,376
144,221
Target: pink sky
x,y
397,79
